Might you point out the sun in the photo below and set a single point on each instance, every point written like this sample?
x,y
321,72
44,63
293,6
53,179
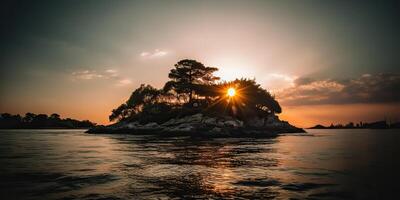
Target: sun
x,y
231,92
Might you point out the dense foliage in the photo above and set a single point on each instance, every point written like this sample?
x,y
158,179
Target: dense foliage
x,y
194,89
31,120
187,75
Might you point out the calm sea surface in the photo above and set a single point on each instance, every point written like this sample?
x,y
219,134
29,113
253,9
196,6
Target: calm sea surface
x,y
323,164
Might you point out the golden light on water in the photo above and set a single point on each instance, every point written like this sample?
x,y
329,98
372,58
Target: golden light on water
x,y
231,92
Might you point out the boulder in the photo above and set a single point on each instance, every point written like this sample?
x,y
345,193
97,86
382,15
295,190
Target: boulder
x,y
210,121
169,122
233,123
132,125
151,125
194,118
270,119
216,130
256,122
182,128
220,122
184,120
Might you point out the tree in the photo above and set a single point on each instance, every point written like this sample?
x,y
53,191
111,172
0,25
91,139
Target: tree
x,y
186,75
251,98
255,96
40,120
119,113
144,95
191,79
10,121
29,117
55,116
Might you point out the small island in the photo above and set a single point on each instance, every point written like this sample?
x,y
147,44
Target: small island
x,y
195,102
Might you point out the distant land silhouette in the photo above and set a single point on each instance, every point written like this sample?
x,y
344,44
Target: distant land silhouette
x,y
371,125
36,121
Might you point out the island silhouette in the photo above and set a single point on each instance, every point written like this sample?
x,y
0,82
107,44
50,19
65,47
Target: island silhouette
x,y
361,125
195,101
41,121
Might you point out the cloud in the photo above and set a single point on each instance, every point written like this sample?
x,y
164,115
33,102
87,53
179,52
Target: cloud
x,y
154,54
86,75
108,74
276,81
111,73
123,82
92,74
378,88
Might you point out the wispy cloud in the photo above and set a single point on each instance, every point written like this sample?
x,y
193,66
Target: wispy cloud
x,y
367,88
123,82
86,75
108,74
111,73
93,74
153,54
277,81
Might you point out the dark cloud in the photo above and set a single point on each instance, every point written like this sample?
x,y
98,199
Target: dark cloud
x,y
378,88
303,80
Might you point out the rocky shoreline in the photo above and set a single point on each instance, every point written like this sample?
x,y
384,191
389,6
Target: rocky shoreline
x,y
204,126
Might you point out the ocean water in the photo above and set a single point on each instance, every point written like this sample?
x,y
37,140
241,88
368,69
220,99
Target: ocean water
x,y
323,164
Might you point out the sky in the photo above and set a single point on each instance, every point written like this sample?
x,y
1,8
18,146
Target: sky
x,y
325,61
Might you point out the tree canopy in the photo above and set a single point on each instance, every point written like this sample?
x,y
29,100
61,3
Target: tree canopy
x,y
193,88
144,95
186,75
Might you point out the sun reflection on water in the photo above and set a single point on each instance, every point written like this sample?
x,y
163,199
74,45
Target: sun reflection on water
x,y
78,165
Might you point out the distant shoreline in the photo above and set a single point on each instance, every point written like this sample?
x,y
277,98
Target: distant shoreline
x,y
361,125
49,128
352,128
41,121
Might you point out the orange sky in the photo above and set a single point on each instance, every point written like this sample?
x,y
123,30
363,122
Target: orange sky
x,y
302,116
83,59
307,116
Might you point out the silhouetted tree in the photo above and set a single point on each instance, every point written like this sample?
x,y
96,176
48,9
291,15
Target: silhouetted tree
x,y
29,117
349,125
54,116
196,85
251,98
10,121
188,73
144,95
41,121
122,112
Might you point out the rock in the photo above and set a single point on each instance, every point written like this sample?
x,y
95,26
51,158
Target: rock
x,y
271,119
220,123
205,126
132,125
233,123
195,118
169,122
216,130
210,121
182,128
151,125
180,121
256,122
